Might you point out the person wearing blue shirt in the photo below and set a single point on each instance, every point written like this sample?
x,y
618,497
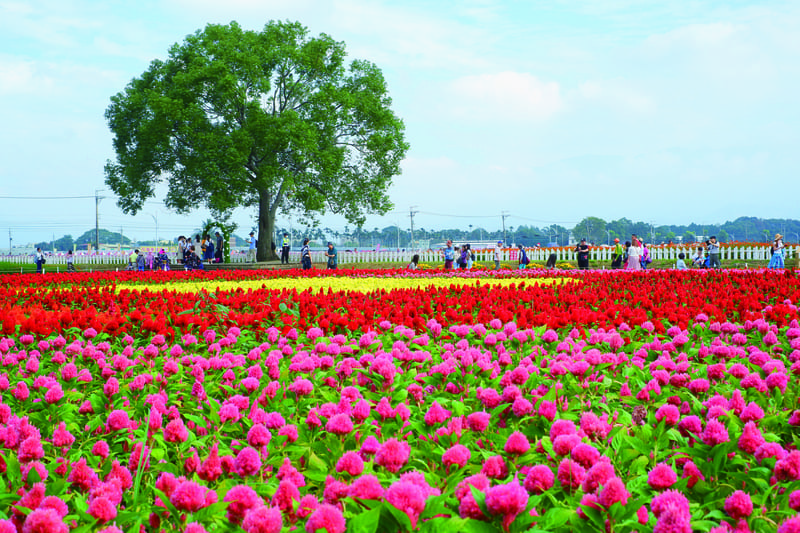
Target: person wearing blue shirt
x,y
449,255
251,251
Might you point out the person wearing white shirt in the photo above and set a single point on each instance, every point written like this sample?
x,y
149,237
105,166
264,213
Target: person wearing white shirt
x,y
635,255
497,250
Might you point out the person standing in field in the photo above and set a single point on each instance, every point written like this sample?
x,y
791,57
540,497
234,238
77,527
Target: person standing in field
x,y
616,256
462,259
778,250
470,257
713,253
251,250
39,257
523,257
634,255
449,255
498,249
699,258
333,257
305,255
218,249
285,247
414,264
645,259
583,255
70,261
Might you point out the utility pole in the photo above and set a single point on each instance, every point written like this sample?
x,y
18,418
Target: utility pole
x,y
411,214
97,199
9,241
121,238
504,214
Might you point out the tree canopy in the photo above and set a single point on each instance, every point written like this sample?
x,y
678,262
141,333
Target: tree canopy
x,y
271,119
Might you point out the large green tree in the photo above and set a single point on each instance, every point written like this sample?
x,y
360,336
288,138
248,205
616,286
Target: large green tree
x,y
273,119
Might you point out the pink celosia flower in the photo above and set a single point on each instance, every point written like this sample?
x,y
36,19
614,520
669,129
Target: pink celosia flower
x,y
478,421
738,505
248,462
393,455
540,479
661,477
44,521
340,424
175,431
570,474
516,444
613,491
102,509
598,474
326,517
118,420
241,499
263,519
350,463
408,498
495,467
366,487
507,501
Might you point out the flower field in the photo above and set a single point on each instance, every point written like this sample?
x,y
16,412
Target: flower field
x,y
387,401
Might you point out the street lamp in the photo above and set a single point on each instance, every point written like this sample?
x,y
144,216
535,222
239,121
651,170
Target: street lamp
x,y
155,219
608,236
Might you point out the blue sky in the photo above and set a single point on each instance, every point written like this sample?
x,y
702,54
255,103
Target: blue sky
x,y
666,112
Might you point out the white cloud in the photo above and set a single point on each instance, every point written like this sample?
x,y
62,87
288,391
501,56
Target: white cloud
x,y
504,96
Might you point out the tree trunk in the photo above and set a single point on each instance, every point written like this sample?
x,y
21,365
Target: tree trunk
x,y
266,229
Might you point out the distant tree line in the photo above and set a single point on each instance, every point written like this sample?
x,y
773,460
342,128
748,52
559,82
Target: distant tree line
x,y
593,229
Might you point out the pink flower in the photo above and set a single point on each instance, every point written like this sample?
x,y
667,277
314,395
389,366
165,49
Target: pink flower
x,y
570,474
586,454
100,449
792,525
286,496
44,521
613,491
241,498
408,498
669,413
61,437
507,501
738,505
326,517
102,509
188,496
436,414
715,433
564,444
393,455
248,462
263,519
547,410
457,454
794,500
30,450
751,438
258,436
478,421
669,499
175,431
367,487
598,475
351,463
540,479
339,424
693,474
517,444
495,467
118,420
661,477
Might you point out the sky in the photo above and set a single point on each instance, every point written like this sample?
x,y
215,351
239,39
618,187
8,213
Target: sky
x,y
550,111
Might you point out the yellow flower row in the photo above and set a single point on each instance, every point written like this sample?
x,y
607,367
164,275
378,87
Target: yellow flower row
x,y
336,284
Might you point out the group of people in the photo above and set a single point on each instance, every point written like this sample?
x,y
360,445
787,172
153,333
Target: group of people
x,y
331,255
210,251
635,255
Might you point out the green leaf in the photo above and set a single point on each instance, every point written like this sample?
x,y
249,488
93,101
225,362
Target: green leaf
x,y
365,522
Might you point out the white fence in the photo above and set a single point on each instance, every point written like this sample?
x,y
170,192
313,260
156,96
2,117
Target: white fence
x,y
598,255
